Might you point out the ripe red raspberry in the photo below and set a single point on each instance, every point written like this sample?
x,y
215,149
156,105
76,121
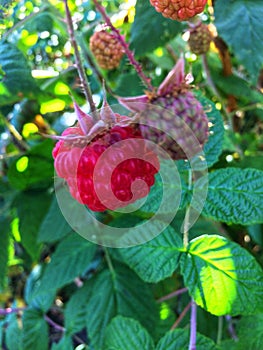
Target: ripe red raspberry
x,y
179,10
101,168
200,39
106,49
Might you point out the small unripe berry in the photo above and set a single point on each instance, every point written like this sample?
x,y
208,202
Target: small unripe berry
x,y
200,39
106,49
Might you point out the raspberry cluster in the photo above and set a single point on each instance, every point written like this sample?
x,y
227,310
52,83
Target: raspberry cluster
x,y
89,179
179,10
106,49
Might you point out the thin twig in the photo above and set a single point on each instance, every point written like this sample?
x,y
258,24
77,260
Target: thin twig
x,y
9,310
109,262
146,80
182,315
231,328
82,75
193,326
172,295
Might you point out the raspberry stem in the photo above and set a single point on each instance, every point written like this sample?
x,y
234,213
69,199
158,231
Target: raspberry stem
x,y
193,326
146,80
79,65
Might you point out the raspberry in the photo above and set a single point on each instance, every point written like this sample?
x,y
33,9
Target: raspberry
x,y
106,49
102,170
172,117
200,39
179,10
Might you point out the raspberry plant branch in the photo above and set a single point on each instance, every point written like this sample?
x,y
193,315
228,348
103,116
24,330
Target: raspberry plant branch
x,y
219,330
193,326
182,315
128,52
172,295
231,328
79,65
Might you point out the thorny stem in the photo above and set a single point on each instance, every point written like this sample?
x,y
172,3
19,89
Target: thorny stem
x,y
79,65
193,326
128,52
172,295
183,313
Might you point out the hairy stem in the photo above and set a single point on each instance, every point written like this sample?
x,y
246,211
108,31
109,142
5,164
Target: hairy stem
x,y
79,65
193,326
146,80
187,214
231,328
9,310
172,295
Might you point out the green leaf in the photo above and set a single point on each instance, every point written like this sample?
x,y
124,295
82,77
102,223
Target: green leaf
x,y
222,277
65,343
178,339
31,208
54,226
35,330
118,293
34,296
75,311
235,196
13,334
250,333
256,233
4,244
71,258
33,169
14,65
156,259
245,37
150,29
127,333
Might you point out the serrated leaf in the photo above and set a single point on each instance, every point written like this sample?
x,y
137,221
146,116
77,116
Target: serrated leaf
x,y
54,226
71,258
245,37
156,259
31,208
65,343
150,29
118,293
222,277
35,330
124,332
250,333
14,65
235,196
178,339
33,294
4,244
13,334
75,311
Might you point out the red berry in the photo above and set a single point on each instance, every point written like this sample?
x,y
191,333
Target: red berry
x,y
102,174
179,10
